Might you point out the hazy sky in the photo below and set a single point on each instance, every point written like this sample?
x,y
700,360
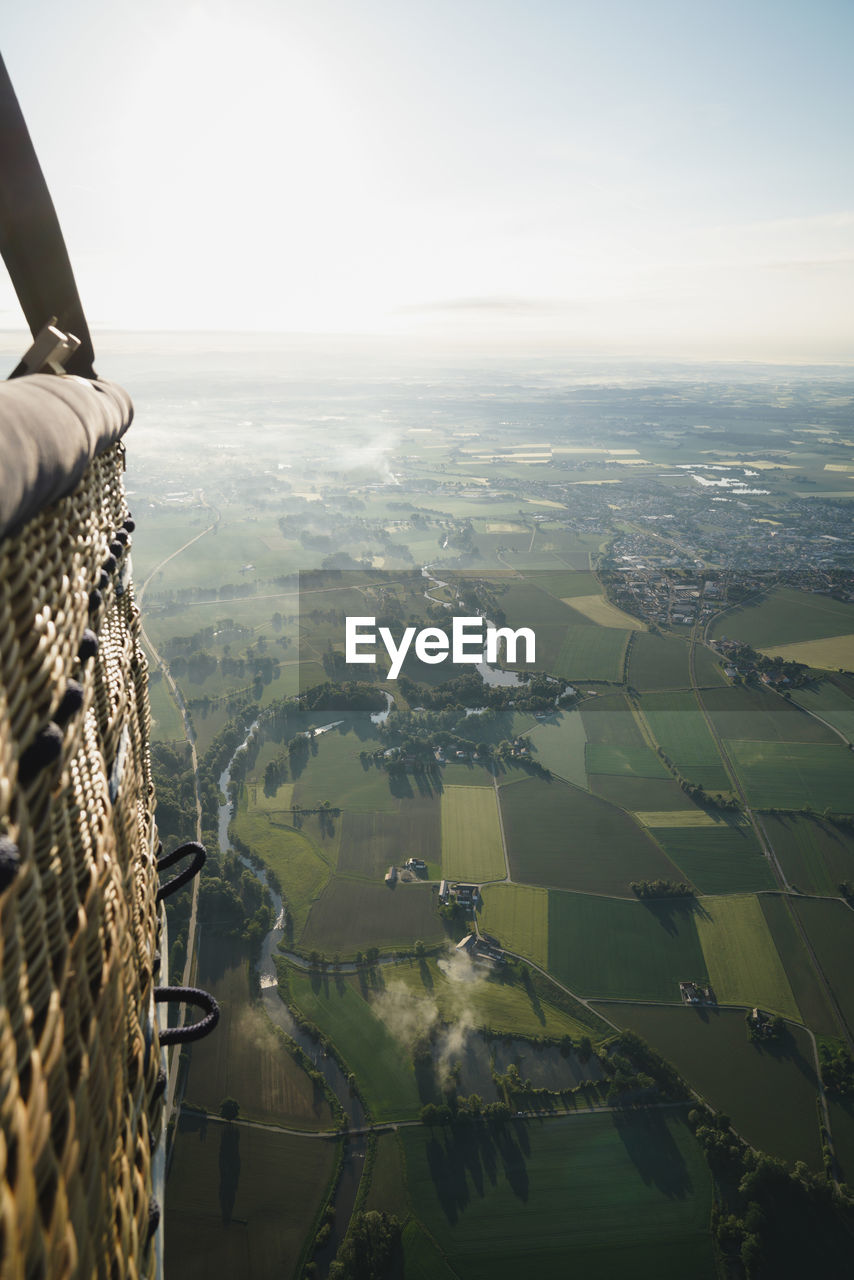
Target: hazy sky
x,y
667,177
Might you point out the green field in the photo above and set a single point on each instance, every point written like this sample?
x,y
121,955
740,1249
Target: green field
x,y
372,842
565,838
466,774
803,979
558,745
785,616
679,727
830,929
791,775
563,583
658,662
335,773
626,950
352,915
637,762
388,1182
759,714
743,963
526,605
815,855
770,1094
245,1059
708,668
382,1063
296,859
832,702
159,534
589,653
641,794
166,722
609,722
721,858
596,1195
484,997
471,836
422,1259
519,917
240,1200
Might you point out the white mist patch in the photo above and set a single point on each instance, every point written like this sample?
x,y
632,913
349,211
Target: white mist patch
x,y
460,969
407,1017
451,1047
252,1026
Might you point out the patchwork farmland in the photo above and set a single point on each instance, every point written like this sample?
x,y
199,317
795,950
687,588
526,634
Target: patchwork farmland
x,y
606,773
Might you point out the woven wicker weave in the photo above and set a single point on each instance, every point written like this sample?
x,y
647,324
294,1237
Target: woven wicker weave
x,y
79,1049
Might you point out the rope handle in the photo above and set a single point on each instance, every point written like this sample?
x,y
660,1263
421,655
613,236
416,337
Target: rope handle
x,y
191,849
188,995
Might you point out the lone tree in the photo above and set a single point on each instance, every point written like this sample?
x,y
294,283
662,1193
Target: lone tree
x,y
229,1108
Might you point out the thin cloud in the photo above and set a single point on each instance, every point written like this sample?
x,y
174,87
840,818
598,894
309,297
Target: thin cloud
x,y
505,305
811,264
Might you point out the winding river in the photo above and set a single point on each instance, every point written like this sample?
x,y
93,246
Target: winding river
x,y
354,1148
494,676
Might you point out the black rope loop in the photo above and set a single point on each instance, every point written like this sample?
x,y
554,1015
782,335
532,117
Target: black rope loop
x,y
191,849
72,702
188,995
44,750
88,645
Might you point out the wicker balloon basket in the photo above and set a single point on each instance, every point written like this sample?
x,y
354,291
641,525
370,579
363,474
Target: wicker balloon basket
x,y
81,1076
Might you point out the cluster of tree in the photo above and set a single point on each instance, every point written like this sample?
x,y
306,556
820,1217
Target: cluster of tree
x,y
175,601
761,1201
463,1111
174,645
537,692
837,1067
372,1248
697,792
453,912
276,772
626,1078
460,536
765,1028
516,1089
226,742
661,889
233,902
172,772
351,695
749,661
644,1061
